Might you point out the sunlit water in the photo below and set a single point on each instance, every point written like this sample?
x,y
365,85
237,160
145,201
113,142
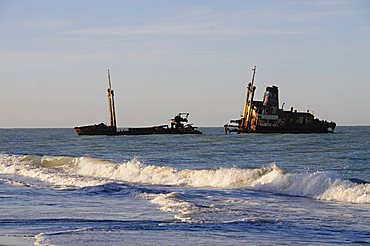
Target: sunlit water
x,y
62,189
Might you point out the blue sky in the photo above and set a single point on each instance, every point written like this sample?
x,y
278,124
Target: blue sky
x,y
180,56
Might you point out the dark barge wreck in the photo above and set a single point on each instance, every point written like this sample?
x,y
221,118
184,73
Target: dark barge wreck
x,y
266,117
179,124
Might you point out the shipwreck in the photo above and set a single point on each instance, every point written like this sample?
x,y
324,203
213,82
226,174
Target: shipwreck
x,y
179,124
266,117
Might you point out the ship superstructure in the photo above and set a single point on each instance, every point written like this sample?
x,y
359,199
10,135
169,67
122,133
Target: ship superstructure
x,y
177,123
266,117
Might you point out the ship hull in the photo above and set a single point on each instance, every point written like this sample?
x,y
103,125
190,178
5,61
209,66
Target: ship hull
x,y
160,130
100,129
319,127
103,129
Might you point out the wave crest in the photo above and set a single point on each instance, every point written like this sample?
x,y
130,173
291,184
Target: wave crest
x,y
84,171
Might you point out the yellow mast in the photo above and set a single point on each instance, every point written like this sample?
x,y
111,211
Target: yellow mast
x,y
246,117
112,111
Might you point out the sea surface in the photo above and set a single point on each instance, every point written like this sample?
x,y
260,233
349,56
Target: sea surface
x,y
57,188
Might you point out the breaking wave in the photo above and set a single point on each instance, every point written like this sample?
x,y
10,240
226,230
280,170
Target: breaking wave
x,y
65,172
173,202
42,239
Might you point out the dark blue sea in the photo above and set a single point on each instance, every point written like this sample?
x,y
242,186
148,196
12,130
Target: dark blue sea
x,y
57,188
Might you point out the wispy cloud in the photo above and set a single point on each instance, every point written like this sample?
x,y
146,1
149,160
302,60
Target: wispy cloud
x,y
182,30
43,23
326,2
201,21
198,23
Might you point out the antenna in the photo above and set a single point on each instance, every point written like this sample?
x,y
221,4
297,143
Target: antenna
x,y
254,73
110,85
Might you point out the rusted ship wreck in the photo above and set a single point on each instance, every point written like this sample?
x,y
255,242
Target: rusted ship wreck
x,y
179,124
266,117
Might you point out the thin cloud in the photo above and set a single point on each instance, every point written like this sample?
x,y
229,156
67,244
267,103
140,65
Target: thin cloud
x,y
184,30
326,2
202,22
43,24
194,23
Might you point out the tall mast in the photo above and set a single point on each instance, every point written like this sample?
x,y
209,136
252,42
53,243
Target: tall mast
x,y
249,90
112,111
248,102
254,73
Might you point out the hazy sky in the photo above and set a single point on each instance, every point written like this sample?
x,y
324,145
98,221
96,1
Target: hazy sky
x,y
171,56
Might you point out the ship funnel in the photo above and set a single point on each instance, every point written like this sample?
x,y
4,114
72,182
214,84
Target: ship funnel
x,y
271,98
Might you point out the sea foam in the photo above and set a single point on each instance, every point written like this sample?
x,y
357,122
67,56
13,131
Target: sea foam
x,y
84,171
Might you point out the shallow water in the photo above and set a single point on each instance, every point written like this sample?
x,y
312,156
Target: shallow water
x,y
259,189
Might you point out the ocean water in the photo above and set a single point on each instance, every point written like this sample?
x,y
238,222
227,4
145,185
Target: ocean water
x,y
57,188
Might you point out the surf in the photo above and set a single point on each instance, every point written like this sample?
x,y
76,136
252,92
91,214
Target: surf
x,y
80,172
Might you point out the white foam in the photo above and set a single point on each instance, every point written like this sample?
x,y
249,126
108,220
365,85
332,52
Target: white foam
x,y
32,167
83,171
172,202
187,211
318,185
347,192
136,172
43,239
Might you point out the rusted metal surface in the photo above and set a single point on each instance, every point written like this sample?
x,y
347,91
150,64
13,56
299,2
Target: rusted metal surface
x,y
266,117
178,125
